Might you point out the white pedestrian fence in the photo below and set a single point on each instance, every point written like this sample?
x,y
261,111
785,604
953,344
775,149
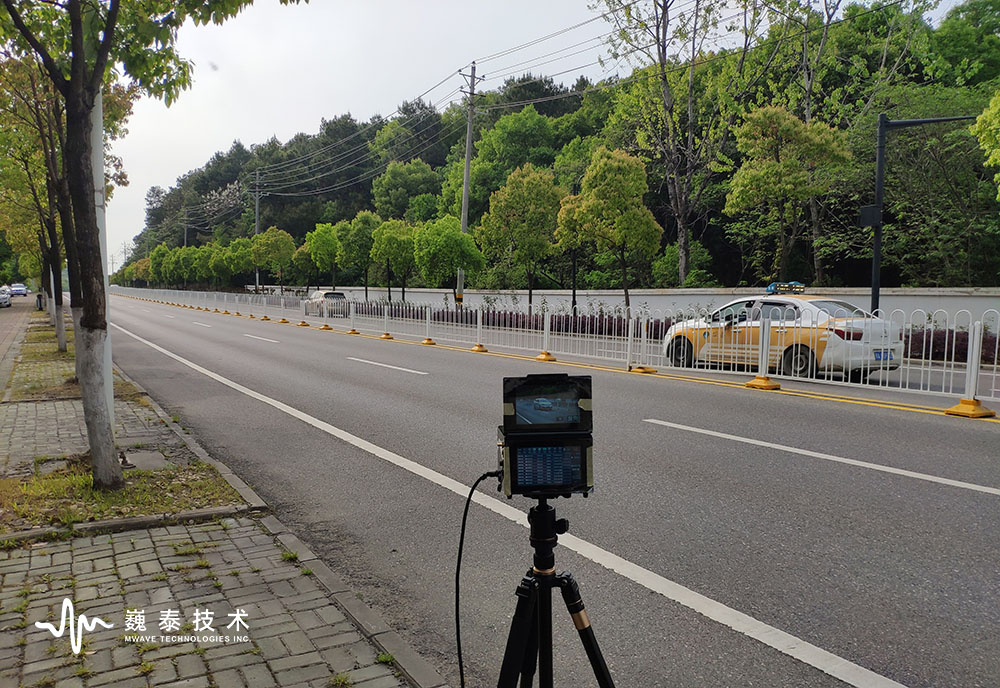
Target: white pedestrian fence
x,y
939,353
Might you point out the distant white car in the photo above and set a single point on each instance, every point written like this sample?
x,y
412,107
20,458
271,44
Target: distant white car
x,y
335,303
4,297
18,290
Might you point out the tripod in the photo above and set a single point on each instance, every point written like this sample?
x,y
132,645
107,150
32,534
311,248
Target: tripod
x,y
530,636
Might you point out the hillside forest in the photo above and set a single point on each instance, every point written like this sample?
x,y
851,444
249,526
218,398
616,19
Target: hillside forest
x,y
722,151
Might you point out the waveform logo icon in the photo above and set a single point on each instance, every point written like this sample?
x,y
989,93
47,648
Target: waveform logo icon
x,y
75,625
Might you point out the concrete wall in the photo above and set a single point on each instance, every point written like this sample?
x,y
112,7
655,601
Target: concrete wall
x,y
976,300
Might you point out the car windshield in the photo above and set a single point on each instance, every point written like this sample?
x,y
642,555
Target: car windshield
x,y
841,309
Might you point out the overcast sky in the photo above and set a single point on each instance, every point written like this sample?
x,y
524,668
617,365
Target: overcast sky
x,y
278,70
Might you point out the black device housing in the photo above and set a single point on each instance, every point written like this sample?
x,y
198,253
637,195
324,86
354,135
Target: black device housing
x,y
547,436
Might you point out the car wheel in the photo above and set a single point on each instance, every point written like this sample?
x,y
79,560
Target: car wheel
x,y
680,353
798,361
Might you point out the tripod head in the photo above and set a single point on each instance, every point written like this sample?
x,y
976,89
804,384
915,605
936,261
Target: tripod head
x,y
544,531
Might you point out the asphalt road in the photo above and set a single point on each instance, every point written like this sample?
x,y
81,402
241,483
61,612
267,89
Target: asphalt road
x,y
846,537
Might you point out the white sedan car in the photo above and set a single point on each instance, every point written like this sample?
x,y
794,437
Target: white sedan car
x,y
808,335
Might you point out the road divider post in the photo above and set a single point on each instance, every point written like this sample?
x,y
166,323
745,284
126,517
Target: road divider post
x,y
427,332
479,348
970,406
762,381
351,311
546,330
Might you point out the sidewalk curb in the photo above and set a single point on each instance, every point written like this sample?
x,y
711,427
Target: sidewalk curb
x,y
417,670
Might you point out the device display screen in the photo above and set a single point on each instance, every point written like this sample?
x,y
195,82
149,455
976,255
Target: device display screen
x,y
549,466
547,407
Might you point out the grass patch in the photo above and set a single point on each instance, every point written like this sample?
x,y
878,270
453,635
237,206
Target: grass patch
x,y
36,354
289,556
68,495
340,681
385,658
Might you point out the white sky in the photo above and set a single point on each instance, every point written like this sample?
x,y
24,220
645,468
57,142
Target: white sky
x,y
278,70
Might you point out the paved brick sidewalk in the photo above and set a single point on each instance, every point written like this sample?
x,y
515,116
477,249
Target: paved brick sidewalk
x,y
295,634
304,628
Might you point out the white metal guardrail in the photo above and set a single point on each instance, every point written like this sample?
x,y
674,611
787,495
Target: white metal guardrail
x,y
938,353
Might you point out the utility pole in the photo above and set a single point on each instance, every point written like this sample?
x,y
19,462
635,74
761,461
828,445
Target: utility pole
x,y
256,230
460,279
871,215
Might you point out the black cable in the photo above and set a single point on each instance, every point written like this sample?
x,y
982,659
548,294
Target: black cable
x,y
458,571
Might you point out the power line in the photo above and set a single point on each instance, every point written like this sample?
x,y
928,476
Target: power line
x,y
353,163
314,167
365,175
709,60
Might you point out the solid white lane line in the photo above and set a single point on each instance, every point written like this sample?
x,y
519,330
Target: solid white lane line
x,y
385,365
195,322
830,457
783,642
263,339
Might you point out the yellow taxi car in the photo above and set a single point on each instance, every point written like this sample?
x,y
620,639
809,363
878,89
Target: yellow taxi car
x,y
808,336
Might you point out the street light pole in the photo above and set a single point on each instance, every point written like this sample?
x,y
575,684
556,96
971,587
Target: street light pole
x,y
871,215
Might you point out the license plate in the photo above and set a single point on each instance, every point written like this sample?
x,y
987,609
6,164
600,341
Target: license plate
x,y
883,355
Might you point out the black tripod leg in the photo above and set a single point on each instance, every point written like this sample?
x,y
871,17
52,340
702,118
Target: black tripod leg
x,y
574,603
522,636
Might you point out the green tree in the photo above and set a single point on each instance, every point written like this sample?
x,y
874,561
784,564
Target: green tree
x,y
422,208
525,136
76,42
786,163
612,214
323,247
965,47
203,263
392,244
239,256
401,182
665,268
219,266
987,130
305,268
356,243
440,249
274,249
521,221
156,259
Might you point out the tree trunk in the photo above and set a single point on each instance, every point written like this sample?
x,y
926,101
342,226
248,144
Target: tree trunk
x,y
814,222
625,280
683,249
531,289
91,332
57,298
333,276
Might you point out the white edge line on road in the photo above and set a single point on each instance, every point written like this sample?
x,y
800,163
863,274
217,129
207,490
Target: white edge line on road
x,y
252,336
783,642
385,365
195,322
830,457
